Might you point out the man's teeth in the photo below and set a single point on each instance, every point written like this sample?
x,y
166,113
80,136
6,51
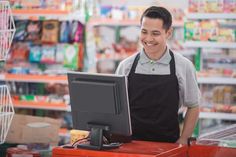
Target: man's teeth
x,y
149,44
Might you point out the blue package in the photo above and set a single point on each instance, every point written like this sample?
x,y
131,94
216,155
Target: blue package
x,y
64,32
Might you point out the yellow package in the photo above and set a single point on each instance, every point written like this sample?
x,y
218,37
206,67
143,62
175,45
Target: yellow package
x,y
76,135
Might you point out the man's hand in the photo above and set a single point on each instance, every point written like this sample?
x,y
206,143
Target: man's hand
x,y
182,140
190,120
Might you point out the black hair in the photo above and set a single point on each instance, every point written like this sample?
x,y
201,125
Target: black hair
x,y
155,12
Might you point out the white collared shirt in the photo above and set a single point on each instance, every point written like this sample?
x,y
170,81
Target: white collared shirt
x,y
189,92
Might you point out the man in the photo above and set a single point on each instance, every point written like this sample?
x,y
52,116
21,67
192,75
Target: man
x,y
159,82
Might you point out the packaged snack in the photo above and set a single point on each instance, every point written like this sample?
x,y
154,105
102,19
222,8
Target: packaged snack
x,y
226,35
41,98
60,53
35,53
76,135
19,52
71,56
73,27
76,31
193,6
79,33
33,31
213,6
201,6
50,31
209,30
215,94
48,54
178,14
21,32
27,97
228,91
192,30
229,6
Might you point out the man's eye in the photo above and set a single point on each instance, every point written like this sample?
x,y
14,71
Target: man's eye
x,y
155,34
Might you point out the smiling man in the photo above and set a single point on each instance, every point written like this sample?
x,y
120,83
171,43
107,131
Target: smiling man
x,y
159,82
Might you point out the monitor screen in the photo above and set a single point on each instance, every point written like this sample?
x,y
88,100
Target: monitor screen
x,y
99,104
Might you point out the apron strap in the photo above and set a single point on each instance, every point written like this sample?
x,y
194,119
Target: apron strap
x,y
172,63
135,63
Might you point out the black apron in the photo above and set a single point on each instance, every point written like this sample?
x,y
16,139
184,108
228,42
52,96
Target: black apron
x,y
154,103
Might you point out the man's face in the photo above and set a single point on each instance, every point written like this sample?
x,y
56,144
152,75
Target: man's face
x,y
153,36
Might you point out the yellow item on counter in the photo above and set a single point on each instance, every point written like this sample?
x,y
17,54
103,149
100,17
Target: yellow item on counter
x,y
76,135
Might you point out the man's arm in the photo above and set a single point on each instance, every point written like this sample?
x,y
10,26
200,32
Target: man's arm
x,y
190,120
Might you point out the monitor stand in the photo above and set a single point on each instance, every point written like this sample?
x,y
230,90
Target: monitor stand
x,y
96,141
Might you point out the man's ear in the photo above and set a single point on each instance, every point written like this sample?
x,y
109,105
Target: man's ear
x,y
169,33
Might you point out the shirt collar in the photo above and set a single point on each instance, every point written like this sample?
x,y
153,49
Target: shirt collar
x,y
165,59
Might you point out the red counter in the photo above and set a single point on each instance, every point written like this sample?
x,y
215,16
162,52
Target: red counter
x,y
211,151
133,149
218,143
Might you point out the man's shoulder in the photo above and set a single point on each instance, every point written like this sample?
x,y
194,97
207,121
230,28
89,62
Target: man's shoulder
x,y
181,60
129,60
125,65
183,64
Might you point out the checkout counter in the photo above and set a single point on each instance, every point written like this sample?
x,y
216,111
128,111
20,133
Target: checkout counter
x,y
220,143
132,149
149,149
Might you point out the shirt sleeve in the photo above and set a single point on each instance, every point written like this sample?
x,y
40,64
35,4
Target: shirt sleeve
x,y
189,90
125,66
120,69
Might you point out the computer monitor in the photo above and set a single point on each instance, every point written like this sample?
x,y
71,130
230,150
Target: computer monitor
x,y
99,104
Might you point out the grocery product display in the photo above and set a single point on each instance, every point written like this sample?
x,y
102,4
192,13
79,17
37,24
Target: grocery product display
x,y
208,6
206,30
7,30
43,51
211,32
47,43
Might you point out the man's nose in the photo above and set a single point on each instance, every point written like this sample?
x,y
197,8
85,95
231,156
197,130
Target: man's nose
x,y
149,38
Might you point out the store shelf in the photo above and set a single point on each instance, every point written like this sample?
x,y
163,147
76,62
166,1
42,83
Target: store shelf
x,y
39,12
203,16
48,14
220,65
112,22
186,52
217,80
228,24
41,105
113,56
34,78
126,22
205,44
218,115
178,24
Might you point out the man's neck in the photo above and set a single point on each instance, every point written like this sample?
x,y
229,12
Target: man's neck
x,y
157,55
